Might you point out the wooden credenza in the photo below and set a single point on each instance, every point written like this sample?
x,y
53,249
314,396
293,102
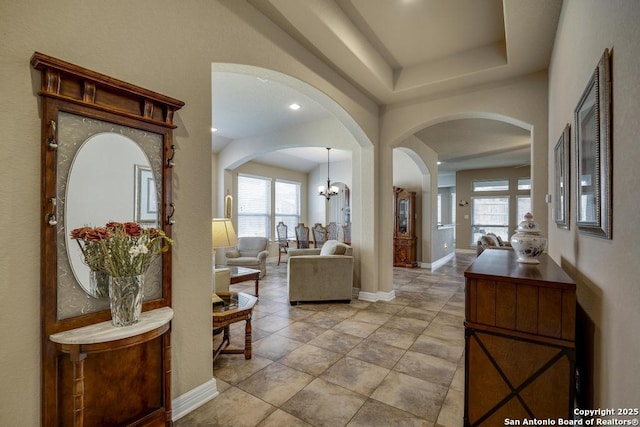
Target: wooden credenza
x,y
110,375
519,340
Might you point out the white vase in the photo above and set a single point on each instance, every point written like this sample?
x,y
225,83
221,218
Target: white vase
x,y
528,242
125,298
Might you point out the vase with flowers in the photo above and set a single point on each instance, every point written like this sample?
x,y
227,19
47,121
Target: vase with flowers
x,y
129,249
88,239
126,251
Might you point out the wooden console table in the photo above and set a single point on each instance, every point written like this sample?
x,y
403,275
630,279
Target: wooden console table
x,y
104,337
519,340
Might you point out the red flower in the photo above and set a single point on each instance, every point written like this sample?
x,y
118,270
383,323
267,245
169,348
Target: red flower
x,y
99,233
112,225
132,229
80,233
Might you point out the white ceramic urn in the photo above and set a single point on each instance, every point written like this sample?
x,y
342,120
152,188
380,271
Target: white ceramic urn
x,y
528,242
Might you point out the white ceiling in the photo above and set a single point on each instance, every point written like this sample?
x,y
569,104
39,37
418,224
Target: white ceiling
x,y
477,144
398,51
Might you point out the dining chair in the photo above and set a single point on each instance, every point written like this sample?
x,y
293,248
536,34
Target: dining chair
x,y
319,235
302,236
283,241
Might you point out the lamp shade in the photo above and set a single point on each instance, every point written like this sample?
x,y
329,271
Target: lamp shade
x,y
222,233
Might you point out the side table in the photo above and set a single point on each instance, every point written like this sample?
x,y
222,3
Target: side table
x,y
237,306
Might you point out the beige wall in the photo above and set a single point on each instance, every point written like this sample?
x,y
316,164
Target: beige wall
x,y
463,192
606,270
169,46
522,102
164,46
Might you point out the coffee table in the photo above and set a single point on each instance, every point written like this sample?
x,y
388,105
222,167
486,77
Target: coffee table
x,y
242,274
237,306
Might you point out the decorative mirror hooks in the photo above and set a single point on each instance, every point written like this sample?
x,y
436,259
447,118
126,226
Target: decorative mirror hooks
x,y
51,216
170,219
51,135
170,162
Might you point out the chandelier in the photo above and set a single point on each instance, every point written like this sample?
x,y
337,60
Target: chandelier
x,y
329,190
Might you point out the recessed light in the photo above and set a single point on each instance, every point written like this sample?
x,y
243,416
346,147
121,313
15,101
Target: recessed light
x,y
439,163
214,129
294,106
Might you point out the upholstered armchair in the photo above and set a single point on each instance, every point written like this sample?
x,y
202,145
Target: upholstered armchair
x,y
320,274
250,252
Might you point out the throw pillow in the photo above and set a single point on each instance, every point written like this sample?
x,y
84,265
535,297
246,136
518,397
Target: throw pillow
x,y
232,253
330,247
494,239
487,241
341,249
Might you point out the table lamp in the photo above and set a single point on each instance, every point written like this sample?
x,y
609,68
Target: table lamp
x,y
222,236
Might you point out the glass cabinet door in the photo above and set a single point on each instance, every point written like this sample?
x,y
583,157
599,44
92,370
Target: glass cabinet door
x,y
403,216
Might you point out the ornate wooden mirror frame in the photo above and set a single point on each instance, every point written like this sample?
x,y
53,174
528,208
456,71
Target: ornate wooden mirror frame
x,y
72,383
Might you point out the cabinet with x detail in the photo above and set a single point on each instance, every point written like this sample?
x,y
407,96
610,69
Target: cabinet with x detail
x,y
519,340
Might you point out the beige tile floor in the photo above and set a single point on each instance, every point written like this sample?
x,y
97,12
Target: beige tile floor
x,y
359,364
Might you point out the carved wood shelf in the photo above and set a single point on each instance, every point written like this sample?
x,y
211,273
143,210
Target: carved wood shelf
x,y
93,337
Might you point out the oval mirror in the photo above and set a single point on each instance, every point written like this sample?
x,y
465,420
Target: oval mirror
x,y
110,179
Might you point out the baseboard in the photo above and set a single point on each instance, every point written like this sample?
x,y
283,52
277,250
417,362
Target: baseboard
x,y
193,399
376,296
438,263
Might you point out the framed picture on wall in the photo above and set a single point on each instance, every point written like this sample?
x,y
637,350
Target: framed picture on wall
x,y
146,202
593,153
561,204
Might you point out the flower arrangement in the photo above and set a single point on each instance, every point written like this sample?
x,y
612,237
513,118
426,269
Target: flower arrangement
x,y
121,249
125,251
129,249
88,240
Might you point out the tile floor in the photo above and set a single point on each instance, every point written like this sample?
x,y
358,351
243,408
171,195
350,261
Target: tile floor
x,y
360,364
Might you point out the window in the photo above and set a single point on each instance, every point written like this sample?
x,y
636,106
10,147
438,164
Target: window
x,y
489,215
524,206
254,206
287,207
490,185
524,183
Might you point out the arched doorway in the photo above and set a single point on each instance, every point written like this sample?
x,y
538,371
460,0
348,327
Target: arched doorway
x,y
337,129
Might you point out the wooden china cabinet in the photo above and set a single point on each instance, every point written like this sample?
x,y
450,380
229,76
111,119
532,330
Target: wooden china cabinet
x,y
94,373
404,235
